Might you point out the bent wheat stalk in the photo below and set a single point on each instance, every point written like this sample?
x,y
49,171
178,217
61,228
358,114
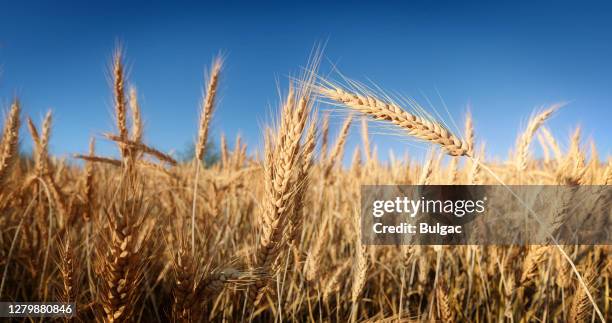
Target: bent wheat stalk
x,y
143,148
383,110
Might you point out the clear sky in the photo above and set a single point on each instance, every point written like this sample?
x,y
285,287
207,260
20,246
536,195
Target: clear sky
x,y
505,59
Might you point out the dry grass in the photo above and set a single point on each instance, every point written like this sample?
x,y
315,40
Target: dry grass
x,y
145,238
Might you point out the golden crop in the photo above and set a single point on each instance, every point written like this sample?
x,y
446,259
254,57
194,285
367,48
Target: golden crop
x,y
276,237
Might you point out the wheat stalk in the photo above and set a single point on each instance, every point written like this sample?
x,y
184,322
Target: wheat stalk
x,y
122,257
469,131
99,159
119,97
443,304
382,110
138,146
184,283
334,280
360,270
10,140
550,139
336,153
208,105
524,140
581,309
282,166
137,128
534,257
324,136
67,268
90,192
365,139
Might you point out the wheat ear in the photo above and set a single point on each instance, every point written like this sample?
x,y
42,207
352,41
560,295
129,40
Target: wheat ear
x,y
42,150
545,149
581,308
282,167
185,281
334,280
10,141
36,139
335,155
137,128
426,171
469,131
552,143
365,138
119,98
124,253
525,138
296,218
90,192
608,173
324,136
208,105
224,153
419,127
360,270
443,303
356,162
99,159
534,257
67,269
313,262
138,146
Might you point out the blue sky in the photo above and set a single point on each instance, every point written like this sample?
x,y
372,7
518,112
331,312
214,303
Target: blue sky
x,y
504,59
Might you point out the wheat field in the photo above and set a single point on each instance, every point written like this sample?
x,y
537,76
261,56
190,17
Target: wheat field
x,y
274,235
